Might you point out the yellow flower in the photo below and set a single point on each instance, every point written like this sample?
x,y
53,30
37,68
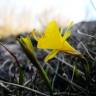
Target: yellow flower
x,y
52,39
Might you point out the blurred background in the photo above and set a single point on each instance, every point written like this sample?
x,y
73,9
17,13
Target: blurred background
x,y
23,15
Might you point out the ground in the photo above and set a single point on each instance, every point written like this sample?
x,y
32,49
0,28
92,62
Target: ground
x,y
68,81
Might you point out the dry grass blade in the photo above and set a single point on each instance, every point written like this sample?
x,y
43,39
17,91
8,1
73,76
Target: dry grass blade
x,y
86,50
15,58
67,80
24,87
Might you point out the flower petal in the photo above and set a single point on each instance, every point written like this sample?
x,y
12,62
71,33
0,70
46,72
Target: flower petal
x,y
52,38
67,48
51,55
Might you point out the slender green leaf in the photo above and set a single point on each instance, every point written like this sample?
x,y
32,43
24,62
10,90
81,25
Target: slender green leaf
x,y
29,51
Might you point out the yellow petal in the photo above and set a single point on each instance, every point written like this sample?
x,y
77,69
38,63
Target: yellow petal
x,y
67,48
51,55
52,38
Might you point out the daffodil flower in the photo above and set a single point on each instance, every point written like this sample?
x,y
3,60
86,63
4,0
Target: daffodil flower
x,y
52,39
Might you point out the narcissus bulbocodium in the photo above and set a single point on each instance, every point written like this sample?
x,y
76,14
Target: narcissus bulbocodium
x,y
52,39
